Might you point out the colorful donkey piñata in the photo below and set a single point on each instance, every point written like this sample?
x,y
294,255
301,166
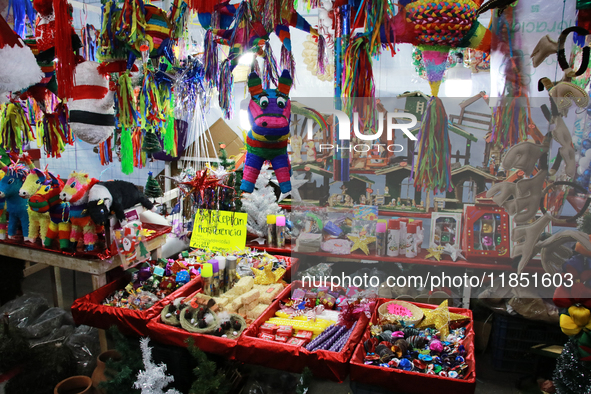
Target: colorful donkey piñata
x,y
75,192
16,206
47,200
269,112
38,221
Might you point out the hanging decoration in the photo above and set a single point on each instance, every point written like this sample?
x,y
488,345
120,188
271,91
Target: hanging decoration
x,y
15,129
54,133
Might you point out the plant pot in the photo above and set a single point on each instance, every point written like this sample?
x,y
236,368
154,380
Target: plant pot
x,y
98,375
75,385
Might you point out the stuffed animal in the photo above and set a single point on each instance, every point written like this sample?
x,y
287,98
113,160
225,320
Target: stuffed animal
x,y
75,192
269,112
114,197
38,221
16,206
47,200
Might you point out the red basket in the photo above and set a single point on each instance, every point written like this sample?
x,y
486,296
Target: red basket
x,y
414,382
90,311
292,266
322,363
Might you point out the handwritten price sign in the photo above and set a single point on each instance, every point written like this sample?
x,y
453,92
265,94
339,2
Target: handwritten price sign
x,y
219,230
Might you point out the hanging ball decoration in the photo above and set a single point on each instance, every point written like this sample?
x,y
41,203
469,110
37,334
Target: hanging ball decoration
x,y
587,144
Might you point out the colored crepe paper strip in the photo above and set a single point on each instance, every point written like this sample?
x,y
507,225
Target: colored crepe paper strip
x,y
64,52
126,113
432,170
126,151
54,132
131,25
150,103
15,129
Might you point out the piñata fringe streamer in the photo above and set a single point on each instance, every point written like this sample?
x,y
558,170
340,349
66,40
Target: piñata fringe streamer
x,y
288,62
131,25
64,52
54,132
210,59
225,84
150,105
358,89
178,18
105,152
137,142
170,138
21,10
126,104
379,13
432,171
126,152
270,74
15,129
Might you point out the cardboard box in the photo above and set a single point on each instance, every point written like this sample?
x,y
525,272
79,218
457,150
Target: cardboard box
x,y
221,133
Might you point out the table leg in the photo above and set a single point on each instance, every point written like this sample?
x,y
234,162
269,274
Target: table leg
x,y
467,292
56,287
97,282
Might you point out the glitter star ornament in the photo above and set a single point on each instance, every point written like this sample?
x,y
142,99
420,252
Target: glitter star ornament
x,y
435,252
267,276
453,251
440,318
361,241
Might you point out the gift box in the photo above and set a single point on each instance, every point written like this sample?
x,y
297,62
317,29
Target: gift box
x,y
415,382
90,311
293,358
486,232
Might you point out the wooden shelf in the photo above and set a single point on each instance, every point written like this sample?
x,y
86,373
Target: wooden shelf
x,y
472,263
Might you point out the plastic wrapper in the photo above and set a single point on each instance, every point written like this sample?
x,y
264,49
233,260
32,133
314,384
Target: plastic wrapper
x,y
24,309
85,347
59,334
48,321
318,271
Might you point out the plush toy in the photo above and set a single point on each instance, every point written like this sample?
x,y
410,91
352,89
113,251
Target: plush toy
x,y
16,206
75,192
114,197
47,200
92,117
38,221
269,112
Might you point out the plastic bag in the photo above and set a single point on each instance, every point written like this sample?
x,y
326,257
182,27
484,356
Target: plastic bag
x,y
318,271
85,347
24,309
48,321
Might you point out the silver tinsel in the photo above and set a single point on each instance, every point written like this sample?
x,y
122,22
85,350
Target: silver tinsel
x,y
572,376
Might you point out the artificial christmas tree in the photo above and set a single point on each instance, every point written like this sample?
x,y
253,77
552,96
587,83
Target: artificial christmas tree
x,y
260,203
208,378
572,375
153,379
151,143
122,373
152,188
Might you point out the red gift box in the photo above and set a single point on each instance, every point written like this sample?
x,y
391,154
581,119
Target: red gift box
x,y
415,382
90,311
293,358
486,232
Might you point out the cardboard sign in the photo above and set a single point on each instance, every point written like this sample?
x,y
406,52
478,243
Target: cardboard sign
x,y
219,230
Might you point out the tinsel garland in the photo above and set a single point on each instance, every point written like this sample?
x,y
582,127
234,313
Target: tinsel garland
x,y
210,59
127,156
572,376
54,132
225,84
64,52
432,171
15,129
126,105
150,103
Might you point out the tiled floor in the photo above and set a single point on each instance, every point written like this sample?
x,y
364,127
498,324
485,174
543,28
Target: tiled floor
x,y
488,380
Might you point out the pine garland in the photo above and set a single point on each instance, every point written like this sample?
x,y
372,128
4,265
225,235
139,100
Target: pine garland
x,y
208,378
126,369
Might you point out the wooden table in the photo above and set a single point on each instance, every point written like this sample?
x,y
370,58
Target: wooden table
x,y
96,268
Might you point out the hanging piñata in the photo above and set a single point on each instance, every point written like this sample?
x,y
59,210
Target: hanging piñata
x,y
54,133
269,112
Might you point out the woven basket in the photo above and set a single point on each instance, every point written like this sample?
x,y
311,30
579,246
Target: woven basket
x,y
171,321
186,324
235,317
417,313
